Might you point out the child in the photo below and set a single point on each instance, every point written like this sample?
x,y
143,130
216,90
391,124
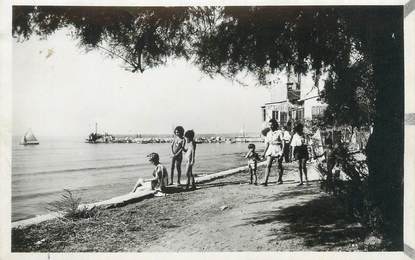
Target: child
x,y
287,139
253,158
160,175
332,161
189,157
176,149
333,166
300,151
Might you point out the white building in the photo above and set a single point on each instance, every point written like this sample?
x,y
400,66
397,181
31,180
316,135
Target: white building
x,y
294,99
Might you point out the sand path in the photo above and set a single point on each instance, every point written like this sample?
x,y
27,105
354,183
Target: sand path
x,y
243,217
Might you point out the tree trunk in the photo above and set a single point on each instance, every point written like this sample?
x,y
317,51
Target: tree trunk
x,y
386,146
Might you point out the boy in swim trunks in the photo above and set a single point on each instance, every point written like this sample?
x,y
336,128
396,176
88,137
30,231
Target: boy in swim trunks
x,y
253,158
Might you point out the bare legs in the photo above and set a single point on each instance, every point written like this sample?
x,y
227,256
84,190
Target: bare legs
x,y
252,171
176,163
281,170
270,159
302,167
190,177
267,170
173,164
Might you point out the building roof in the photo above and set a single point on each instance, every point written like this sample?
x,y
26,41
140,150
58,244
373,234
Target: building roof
x,y
280,105
309,97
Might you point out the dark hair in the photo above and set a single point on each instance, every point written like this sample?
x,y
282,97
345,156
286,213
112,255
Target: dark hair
x,y
179,129
251,146
189,134
265,131
153,157
299,128
273,121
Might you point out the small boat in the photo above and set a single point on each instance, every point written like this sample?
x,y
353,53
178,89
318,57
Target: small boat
x,y
96,138
29,138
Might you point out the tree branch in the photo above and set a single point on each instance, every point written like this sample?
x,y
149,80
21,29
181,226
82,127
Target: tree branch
x,y
135,66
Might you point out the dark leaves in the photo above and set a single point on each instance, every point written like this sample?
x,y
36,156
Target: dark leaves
x,y
142,37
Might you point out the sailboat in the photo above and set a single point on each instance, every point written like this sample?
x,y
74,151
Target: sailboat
x,y
29,138
243,134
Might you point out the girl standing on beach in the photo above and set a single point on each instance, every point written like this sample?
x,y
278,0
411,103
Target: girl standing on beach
x,y
273,150
299,145
189,157
176,149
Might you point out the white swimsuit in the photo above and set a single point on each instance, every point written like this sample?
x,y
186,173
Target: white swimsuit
x,y
274,138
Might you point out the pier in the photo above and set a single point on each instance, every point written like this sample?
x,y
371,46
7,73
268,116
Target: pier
x,y
106,138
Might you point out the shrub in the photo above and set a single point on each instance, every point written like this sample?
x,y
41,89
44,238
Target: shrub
x,y
354,192
69,206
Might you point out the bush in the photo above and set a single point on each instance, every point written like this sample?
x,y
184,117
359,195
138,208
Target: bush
x,y
69,206
354,192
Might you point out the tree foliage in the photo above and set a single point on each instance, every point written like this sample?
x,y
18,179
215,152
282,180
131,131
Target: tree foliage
x,y
142,37
220,39
350,95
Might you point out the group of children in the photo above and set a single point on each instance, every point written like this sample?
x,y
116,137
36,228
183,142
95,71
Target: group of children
x,y
276,142
182,147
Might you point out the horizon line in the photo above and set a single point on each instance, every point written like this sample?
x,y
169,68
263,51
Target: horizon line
x,y
219,133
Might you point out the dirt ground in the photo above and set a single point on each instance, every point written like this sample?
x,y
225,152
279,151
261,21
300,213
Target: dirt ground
x,y
224,215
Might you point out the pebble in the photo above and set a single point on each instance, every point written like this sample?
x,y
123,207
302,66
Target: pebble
x,y
40,241
224,207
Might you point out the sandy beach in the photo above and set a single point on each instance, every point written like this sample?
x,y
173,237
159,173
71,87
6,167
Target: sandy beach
x,y
226,214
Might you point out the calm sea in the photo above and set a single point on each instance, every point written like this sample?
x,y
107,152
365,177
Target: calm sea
x,y
96,171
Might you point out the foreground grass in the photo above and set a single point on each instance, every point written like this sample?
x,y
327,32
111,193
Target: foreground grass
x,y
109,230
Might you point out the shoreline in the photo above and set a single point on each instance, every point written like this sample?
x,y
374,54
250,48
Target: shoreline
x,y
122,200
107,174
225,214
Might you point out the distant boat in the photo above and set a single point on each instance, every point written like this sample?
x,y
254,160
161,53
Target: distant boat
x,y
243,133
29,138
96,138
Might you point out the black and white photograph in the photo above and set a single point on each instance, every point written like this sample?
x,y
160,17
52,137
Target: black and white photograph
x,y
209,128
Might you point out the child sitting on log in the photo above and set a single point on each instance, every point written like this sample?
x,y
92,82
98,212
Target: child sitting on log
x,y
160,175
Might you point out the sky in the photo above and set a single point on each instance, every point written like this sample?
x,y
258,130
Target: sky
x,y
60,90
